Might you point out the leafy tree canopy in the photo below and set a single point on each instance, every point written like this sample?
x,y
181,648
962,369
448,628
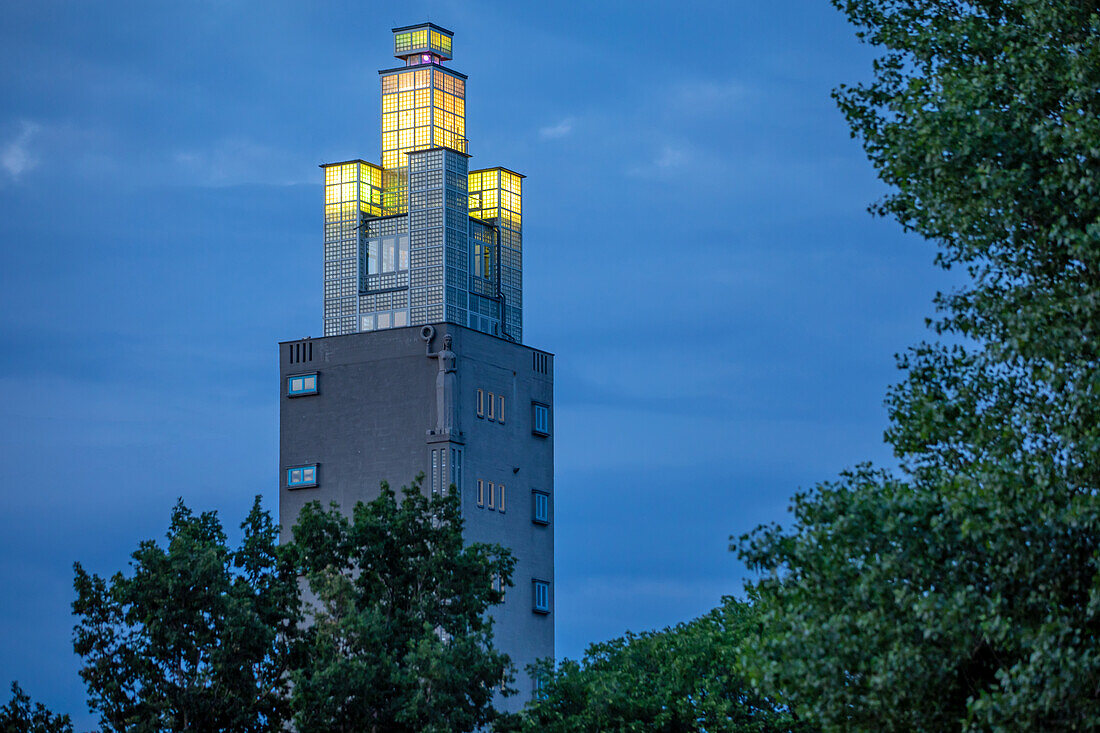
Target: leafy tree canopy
x,y
678,679
19,717
400,638
962,592
197,637
394,634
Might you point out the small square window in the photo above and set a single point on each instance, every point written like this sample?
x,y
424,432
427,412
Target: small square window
x,y
541,419
301,385
299,477
542,596
540,509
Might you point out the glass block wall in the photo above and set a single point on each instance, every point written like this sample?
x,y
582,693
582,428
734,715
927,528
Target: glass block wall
x,y
420,239
353,191
421,108
384,262
496,198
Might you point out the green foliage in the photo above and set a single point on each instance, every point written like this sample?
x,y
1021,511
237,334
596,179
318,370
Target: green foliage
x,y
198,637
400,639
678,679
964,593
396,636
19,717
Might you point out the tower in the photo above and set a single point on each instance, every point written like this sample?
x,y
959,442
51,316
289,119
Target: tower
x,y
421,238
422,368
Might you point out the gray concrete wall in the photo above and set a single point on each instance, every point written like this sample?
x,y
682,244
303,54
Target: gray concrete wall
x,y
371,421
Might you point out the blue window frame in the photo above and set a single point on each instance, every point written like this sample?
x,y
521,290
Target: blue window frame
x,y
542,596
540,509
541,419
299,385
300,477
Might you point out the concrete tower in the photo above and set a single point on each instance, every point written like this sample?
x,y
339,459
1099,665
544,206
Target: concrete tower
x,y
422,367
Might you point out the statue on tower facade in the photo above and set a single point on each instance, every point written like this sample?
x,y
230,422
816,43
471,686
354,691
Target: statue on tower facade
x,y
445,381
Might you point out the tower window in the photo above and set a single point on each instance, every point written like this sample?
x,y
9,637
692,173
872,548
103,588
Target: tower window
x,y
492,411
300,385
540,507
542,596
492,495
456,468
500,409
480,492
500,498
300,477
480,403
541,419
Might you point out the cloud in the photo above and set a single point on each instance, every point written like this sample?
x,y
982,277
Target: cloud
x,y
16,157
561,129
235,161
708,96
670,158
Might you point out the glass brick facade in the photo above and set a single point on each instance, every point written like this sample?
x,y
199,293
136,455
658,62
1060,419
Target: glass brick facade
x,y
421,239
421,108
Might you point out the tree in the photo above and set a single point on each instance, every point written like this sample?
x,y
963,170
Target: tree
x,y
198,637
962,591
399,638
18,716
677,679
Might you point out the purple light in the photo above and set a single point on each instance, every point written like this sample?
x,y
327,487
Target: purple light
x,y
425,58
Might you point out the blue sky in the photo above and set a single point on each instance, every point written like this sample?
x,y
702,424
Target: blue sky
x,y
697,254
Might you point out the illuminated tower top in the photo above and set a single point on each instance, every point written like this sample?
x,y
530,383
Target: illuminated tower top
x,y
422,44
423,239
423,103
